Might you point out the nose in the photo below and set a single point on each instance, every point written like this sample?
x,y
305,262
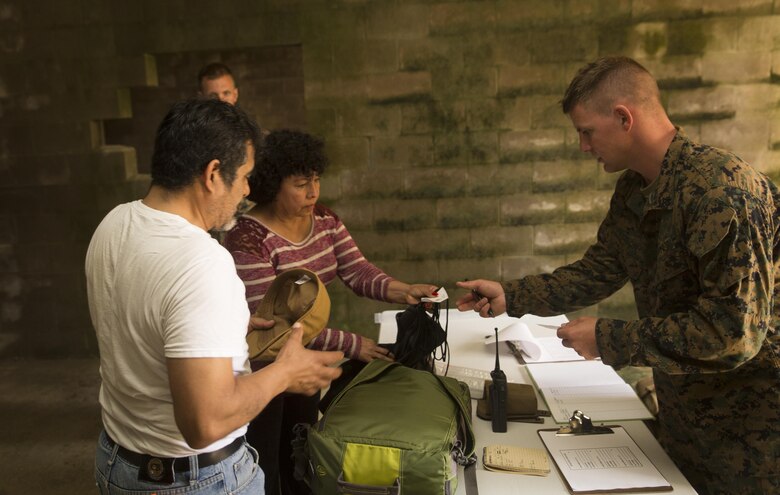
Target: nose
x,y
313,190
584,145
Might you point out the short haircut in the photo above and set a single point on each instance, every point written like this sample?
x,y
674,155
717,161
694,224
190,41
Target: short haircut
x,y
607,79
213,71
284,153
195,132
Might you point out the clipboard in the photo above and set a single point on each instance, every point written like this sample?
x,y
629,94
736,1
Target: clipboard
x,y
600,459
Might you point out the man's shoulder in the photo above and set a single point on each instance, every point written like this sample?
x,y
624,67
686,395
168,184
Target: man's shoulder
x,y
708,168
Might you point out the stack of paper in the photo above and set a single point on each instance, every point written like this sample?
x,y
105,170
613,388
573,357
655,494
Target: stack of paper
x,y
519,460
589,386
544,347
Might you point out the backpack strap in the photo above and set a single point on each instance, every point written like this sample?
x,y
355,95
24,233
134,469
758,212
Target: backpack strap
x,y
302,469
463,400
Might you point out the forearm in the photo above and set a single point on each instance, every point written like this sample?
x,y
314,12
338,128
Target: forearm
x,y
569,288
210,402
397,292
706,339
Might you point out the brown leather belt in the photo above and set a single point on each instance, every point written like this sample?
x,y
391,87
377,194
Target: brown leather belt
x,y
160,469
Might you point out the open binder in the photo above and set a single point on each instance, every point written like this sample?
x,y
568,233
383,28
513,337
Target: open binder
x,y
600,459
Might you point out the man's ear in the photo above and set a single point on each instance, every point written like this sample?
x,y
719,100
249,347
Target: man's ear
x,y
625,117
210,174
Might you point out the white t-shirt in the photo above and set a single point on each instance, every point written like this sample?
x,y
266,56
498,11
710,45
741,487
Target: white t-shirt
x,y
159,287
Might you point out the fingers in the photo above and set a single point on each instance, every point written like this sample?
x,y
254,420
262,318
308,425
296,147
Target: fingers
x,y
467,302
258,323
468,284
384,354
328,358
296,333
315,384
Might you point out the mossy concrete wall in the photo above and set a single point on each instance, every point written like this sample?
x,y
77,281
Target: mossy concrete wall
x,y
450,156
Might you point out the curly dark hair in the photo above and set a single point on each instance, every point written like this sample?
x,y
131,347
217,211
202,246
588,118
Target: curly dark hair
x,y
284,153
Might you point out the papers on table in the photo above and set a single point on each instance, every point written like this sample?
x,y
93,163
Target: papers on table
x,y
603,463
589,386
544,347
512,459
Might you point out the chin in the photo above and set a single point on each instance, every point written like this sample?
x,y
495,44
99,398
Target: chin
x,y
228,226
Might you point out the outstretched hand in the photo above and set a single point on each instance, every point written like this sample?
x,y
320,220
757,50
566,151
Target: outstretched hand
x,y
491,303
307,371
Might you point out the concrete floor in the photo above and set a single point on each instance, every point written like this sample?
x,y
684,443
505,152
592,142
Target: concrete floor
x,y
49,423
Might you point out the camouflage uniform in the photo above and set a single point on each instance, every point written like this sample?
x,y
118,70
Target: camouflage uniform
x,y
701,248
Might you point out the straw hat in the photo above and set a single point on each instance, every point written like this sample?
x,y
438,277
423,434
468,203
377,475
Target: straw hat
x,y
296,295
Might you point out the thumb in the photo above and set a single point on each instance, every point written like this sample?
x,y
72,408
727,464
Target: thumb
x,y
296,332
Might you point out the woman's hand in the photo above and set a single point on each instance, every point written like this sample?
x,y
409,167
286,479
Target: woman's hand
x,y
369,350
402,293
418,291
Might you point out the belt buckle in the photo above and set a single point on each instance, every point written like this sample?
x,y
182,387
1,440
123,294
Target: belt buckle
x,y
156,470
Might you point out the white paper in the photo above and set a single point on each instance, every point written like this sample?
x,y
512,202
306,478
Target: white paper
x,y
519,332
545,347
440,297
589,386
603,462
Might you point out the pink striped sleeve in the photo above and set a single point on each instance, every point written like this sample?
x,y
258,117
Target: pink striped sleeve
x,y
331,339
364,278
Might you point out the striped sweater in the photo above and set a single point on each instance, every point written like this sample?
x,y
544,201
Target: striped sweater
x,y
329,251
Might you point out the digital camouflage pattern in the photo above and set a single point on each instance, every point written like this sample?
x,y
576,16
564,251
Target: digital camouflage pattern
x,y
701,248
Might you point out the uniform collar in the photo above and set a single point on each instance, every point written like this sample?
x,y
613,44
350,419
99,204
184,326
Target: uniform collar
x,y
661,197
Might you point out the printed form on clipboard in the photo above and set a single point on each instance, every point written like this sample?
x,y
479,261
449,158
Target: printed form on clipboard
x,y
603,463
533,339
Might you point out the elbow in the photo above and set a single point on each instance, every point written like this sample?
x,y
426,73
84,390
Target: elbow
x,y
200,435
727,358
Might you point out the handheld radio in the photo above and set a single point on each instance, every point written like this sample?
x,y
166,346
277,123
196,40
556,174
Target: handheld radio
x,y
498,396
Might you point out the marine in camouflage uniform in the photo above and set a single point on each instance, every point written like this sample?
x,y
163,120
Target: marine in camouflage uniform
x,y
701,247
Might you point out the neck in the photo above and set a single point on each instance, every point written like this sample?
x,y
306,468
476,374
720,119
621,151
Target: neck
x,y
278,216
183,203
652,148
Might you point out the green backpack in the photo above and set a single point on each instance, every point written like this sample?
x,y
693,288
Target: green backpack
x,y
391,430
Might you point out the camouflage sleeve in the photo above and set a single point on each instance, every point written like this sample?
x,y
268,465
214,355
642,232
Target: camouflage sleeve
x,y
583,283
729,238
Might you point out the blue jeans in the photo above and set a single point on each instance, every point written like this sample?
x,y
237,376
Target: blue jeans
x,y
236,474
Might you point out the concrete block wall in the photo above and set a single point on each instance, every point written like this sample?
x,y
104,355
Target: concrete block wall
x,y
269,79
483,178
450,157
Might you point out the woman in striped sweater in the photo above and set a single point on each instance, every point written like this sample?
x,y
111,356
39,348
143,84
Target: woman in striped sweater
x,y
288,229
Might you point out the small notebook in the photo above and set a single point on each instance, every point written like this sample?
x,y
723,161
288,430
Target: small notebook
x,y
518,460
